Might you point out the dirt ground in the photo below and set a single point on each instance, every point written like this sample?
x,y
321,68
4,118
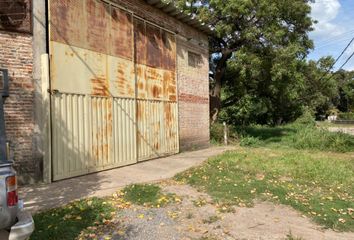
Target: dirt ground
x,y
347,130
197,217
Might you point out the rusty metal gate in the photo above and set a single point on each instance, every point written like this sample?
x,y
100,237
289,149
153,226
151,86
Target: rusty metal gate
x,y
113,88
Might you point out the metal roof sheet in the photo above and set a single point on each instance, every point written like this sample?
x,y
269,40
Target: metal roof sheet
x,y
188,19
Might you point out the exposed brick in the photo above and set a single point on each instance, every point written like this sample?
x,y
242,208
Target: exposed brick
x,y
16,56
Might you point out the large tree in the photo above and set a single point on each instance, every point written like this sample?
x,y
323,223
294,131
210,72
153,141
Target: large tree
x,y
345,100
250,24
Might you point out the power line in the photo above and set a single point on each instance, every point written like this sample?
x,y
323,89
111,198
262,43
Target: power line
x,y
335,38
345,49
350,57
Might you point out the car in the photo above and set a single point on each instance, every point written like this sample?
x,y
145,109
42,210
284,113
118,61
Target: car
x,y
15,223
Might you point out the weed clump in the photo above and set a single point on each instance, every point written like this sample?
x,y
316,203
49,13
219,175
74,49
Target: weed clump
x,y
148,195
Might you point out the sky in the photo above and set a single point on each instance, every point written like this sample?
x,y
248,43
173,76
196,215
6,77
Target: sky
x,y
334,30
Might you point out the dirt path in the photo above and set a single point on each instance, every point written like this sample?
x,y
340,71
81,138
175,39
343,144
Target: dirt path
x,y
348,130
196,217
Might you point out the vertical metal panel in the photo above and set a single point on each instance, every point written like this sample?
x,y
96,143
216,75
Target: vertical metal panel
x,y
157,129
140,41
68,22
91,134
168,61
97,28
124,129
117,99
121,33
153,46
69,149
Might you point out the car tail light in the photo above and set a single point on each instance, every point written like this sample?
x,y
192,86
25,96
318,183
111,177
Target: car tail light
x,y
11,186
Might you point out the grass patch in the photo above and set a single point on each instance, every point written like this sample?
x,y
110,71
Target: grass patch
x,y
320,185
69,221
298,136
211,219
148,195
290,236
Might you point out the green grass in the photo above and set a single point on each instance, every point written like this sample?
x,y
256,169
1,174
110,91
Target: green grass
x,y
320,185
298,136
69,221
147,195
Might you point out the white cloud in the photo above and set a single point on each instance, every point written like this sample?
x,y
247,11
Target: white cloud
x,y
324,12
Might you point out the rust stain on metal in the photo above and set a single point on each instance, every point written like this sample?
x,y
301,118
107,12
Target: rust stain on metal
x,y
103,129
168,57
68,22
140,41
156,92
100,87
141,81
154,46
121,39
169,83
154,83
97,26
124,82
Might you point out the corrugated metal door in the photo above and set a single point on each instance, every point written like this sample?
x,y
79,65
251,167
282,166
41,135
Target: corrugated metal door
x,y
113,85
156,92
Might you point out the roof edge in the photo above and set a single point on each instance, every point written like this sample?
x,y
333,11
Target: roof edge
x,y
171,10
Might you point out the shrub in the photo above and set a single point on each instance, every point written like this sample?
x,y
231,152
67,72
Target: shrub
x,y
346,116
306,119
217,133
250,142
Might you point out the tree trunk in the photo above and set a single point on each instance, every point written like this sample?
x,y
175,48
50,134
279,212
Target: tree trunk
x,y
215,93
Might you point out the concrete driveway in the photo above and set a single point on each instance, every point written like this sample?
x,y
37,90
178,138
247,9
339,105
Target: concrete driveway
x,y
41,197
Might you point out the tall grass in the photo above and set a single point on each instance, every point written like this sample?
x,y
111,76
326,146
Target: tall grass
x,y
302,134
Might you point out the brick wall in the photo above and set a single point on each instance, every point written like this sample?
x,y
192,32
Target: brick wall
x,y
193,88
16,56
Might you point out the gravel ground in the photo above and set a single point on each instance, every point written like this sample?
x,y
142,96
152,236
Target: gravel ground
x,y
198,218
343,130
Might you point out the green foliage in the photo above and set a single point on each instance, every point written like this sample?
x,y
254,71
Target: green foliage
x,y
319,184
306,119
259,46
345,100
217,133
142,193
321,139
69,221
147,195
346,116
250,141
298,136
275,87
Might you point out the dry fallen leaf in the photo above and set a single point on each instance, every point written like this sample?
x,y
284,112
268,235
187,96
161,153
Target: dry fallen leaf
x,y
341,220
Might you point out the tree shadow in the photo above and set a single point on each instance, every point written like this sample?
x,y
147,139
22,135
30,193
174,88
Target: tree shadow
x,y
268,134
